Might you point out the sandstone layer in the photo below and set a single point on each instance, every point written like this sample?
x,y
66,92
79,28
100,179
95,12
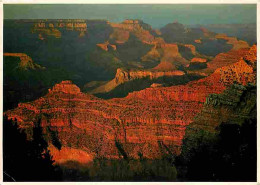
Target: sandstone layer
x,y
151,121
123,76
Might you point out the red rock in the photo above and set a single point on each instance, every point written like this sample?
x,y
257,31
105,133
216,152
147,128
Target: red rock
x,y
199,60
141,122
66,87
106,45
192,48
70,154
198,41
156,85
224,59
123,76
169,57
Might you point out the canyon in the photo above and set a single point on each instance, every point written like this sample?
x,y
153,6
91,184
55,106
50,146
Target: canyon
x,y
151,121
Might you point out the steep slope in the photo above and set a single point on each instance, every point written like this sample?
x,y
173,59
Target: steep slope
x,y
140,29
26,62
123,76
151,121
21,77
224,59
224,129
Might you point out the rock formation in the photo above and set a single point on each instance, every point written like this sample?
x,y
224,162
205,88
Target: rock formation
x,y
123,76
199,60
121,31
224,59
54,27
237,44
26,62
151,121
105,46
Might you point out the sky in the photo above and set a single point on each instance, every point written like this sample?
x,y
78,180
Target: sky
x,y
155,15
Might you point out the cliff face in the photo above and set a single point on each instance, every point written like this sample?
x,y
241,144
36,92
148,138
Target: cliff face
x,y
123,76
225,59
168,55
236,104
26,62
54,27
237,44
151,121
105,46
137,27
198,60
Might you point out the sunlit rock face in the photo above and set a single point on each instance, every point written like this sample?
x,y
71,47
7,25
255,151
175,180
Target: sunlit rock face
x,y
123,76
225,59
54,27
123,30
199,60
151,121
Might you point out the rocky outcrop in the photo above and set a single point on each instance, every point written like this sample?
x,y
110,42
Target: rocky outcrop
x,y
54,27
198,41
225,59
170,57
137,27
191,47
26,62
156,85
197,63
123,76
198,60
65,87
106,46
70,154
237,44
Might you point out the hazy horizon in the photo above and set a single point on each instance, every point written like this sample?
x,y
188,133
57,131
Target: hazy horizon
x,y
155,15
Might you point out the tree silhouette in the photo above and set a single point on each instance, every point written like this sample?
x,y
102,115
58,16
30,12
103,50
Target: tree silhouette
x,y
26,160
231,156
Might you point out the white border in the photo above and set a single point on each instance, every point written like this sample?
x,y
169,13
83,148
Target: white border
x,y
127,2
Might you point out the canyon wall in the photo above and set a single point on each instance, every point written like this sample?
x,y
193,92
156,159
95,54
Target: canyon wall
x,y
123,76
151,121
54,27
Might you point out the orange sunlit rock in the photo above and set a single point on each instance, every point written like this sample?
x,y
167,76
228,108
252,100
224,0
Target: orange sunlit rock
x,y
199,60
143,122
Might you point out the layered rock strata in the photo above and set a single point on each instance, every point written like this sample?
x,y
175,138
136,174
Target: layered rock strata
x,y
151,121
